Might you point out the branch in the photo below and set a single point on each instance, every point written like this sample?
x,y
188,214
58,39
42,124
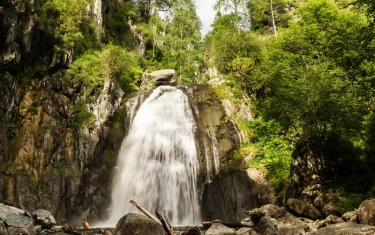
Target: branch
x,y
148,214
165,226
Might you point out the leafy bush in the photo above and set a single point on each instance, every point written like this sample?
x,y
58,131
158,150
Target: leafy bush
x,y
273,151
82,116
93,68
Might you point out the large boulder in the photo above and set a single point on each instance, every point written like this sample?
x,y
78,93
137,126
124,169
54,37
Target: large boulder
x,y
289,224
159,78
330,209
220,229
19,224
347,228
366,212
302,209
45,218
131,224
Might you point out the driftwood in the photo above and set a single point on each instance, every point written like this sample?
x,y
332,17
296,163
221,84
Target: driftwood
x,y
163,222
148,214
167,227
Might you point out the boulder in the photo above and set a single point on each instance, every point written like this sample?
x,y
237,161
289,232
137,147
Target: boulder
x,y
295,206
331,219
19,224
302,209
138,224
289,224
159,78
265,226
44,217
347,228
330,209
246,231
6,210
220,229
349,215
3,228
366,212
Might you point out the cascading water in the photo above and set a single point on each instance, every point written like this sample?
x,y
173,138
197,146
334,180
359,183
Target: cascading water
x,y
157,165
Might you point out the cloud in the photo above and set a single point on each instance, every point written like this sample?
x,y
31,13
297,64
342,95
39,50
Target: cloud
x,y
206,13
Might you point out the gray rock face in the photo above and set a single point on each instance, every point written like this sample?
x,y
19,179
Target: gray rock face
x,y
348,215
166,77
44,217
219,229
131,224
366,212
226,198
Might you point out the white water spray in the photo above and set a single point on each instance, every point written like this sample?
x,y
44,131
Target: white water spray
x,y
157,165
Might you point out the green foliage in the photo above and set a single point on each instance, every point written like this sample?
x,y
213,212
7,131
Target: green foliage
x,y
67,21
116,23
183,51
82,116
93,68
351,201
8,76
273,150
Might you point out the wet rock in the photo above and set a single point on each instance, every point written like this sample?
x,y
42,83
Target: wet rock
x,y
219,229
138,224
366,212
44,218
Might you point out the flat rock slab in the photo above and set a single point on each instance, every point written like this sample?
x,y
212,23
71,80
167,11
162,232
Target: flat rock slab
x,y
347,229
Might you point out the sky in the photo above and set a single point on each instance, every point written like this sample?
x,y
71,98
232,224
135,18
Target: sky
x,y
206,14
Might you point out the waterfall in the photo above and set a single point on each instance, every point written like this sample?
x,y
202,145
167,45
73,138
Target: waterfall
x,y
158,165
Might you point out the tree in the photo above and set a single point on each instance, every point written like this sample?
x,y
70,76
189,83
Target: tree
x,y
238,7
182,47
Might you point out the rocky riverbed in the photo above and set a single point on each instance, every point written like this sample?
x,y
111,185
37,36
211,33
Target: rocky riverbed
x,y
297,217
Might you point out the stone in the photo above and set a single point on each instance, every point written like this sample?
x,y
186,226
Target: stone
x,y
5,210
366,212
289,224
159,78
347,228
227,197
265,226
295,206
331,219
246,231
274,211
330,209
3,228
220,229
192,231
44,218
302,209
248,222
19,224
348,215
138,224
